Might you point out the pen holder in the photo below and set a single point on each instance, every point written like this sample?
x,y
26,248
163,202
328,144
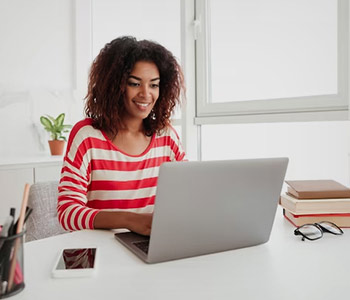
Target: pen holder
x,y
11,265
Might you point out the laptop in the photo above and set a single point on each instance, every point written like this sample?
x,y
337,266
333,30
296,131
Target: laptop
x,y
210,206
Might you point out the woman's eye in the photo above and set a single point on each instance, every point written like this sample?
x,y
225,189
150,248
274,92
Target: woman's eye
x,y
154,85
133,84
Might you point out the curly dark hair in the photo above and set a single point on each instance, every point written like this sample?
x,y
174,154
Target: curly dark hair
x,y
108,78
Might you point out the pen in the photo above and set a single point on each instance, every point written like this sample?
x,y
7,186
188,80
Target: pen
x,y
11,229
19,228
4,287
12,212
6,248
28,212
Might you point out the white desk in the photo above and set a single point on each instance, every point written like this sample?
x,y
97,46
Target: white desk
x,y
283,268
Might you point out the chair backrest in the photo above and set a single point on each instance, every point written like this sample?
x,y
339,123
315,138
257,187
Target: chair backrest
x,y
43,221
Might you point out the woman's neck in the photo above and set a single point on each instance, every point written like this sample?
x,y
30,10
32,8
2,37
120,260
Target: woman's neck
x,y
131,138
132,126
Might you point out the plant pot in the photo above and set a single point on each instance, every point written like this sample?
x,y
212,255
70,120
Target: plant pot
x,y
57,147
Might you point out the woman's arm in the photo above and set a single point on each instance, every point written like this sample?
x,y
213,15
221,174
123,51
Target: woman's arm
x,y
178,153
73,212
139,223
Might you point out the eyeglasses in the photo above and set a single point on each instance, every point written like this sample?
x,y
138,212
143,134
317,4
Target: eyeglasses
x,y
315,231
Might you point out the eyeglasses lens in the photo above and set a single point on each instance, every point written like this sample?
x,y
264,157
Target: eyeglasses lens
x,y
311,231
330,227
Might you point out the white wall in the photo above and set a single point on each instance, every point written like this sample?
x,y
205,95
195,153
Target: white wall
x,y
37,76
316,150
37,71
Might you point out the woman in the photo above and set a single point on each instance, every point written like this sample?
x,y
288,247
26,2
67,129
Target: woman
x,y
112,161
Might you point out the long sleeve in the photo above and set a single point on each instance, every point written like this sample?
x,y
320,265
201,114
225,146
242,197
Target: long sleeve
x,y
176,146
73,214
97,175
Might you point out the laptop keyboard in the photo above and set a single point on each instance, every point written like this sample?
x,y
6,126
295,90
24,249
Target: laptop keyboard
x,y
142,245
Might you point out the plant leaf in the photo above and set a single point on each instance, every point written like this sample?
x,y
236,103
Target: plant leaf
x,y
55,126
59,128
52,119
47,124
59,120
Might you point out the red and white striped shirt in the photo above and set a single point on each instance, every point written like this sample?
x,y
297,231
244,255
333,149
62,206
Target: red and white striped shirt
x,y
97,175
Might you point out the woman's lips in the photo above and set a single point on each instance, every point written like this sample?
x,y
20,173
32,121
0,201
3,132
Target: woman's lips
x,y
141,105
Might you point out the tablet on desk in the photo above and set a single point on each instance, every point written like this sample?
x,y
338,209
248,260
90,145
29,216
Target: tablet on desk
x,y
75,262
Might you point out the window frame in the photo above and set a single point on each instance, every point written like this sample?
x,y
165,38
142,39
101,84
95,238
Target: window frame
x,y
316,108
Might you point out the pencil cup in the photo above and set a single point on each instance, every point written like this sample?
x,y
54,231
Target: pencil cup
x,y
11,265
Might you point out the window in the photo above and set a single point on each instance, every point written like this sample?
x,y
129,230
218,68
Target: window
x,y
271,60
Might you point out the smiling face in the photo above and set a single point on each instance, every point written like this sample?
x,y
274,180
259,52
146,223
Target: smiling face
x,y
142,90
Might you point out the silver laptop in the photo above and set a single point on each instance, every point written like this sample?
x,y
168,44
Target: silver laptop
x,y
211,206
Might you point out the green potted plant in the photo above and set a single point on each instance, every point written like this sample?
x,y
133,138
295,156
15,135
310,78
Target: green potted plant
x,y
57,129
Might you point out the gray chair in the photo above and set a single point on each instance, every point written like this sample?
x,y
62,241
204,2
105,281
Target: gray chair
x,y
43,221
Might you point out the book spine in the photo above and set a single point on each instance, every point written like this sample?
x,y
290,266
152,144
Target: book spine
x,y
318,194
302,207
342,220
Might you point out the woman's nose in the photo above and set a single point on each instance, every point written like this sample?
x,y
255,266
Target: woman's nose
x,y
145,92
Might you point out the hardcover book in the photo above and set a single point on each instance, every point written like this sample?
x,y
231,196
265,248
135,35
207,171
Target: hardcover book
x,y
341,220
315,206
317,189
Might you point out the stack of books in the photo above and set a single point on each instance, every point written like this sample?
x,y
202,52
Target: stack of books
x,y
312,201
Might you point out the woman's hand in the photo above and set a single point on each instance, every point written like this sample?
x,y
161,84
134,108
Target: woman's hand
x,y
139,223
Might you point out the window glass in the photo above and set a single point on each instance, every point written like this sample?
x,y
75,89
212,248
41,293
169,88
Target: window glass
x,y
272,49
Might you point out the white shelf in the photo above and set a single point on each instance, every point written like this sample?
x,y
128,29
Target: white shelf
x,y
14,162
